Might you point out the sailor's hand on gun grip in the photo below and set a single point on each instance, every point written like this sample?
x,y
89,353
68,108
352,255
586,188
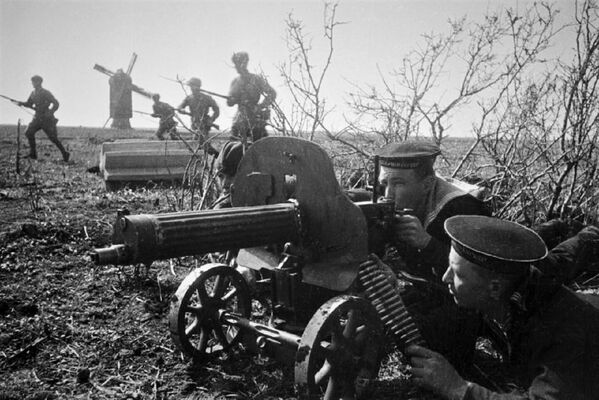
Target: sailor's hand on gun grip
x,y
432,371
410,231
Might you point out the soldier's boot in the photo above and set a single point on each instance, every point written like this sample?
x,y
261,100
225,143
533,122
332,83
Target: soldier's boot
x,y
32,150
65,154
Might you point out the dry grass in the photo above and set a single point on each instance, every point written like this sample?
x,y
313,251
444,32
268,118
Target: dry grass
x,y
74,330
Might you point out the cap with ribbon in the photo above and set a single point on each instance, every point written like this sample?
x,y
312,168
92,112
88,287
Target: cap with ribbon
x,y
408,154
501,246
229,157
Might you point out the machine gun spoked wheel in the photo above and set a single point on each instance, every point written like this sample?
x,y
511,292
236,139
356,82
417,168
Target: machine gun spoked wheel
x,y
340,350
194,320
285,191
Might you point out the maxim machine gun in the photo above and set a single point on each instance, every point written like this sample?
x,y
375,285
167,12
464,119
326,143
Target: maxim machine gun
x,y
331,302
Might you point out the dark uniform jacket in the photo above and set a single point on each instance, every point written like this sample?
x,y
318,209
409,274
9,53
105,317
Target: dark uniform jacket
x,y
40,100
573,256
162,110
443,201
199,106
554,344
446,328
250,119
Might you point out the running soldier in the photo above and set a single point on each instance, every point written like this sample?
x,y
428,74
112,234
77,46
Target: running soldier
x,y
166,113
246,90
45,105
199,105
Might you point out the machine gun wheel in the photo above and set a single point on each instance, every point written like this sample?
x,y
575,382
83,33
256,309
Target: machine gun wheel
x,y
340,350
194,317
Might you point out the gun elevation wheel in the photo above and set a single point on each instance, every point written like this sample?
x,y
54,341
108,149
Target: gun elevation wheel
x,y
194,318
340,350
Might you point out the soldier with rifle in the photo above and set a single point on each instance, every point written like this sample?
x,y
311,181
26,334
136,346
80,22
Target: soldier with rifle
x,y
166,113
200,104
246,91
43,102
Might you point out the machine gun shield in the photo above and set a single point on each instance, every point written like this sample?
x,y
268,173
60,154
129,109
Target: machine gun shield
x,y
335,232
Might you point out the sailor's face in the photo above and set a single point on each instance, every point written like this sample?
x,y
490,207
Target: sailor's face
x,y
402,186
225,181
468,287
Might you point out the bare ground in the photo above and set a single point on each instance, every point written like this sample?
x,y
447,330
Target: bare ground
x,y
69,329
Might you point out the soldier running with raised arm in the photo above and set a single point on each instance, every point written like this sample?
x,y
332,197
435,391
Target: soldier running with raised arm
x,y
166,113
45,105
199,105
246,91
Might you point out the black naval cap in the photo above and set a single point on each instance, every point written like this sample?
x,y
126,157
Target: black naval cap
x,y
229,157
37,78
501,246
408,154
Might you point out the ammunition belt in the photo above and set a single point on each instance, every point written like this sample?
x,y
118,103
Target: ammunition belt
x,y
388,304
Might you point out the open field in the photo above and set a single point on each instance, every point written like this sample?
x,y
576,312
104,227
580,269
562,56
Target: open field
x,y
73,330
69,329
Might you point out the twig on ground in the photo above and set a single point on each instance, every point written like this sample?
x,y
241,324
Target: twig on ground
x,y
27,348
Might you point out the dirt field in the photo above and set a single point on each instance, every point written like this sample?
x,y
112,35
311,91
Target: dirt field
x,y
69,329
72,330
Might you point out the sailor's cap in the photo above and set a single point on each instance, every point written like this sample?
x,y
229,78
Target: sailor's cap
x,y
408,154
501,246
229,157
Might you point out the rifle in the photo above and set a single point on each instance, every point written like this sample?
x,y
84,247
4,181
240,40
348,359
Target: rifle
x,y
222,96
143,113
16,102
215,126
11,99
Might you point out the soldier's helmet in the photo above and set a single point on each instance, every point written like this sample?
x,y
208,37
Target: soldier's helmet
x,y
37,78
195,83
240,58
156,97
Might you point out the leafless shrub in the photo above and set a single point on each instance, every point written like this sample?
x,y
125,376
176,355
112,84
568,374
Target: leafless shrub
x,y
536,135
540,135
303,79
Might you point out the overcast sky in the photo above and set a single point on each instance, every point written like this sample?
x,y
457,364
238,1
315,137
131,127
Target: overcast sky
x,y
62,40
